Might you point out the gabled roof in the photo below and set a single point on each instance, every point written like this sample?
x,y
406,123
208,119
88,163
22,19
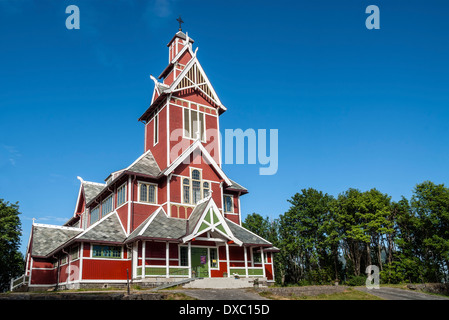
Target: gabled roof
x,y
145,164
92,189
235,186
210,220
160,226
246,236
48,238
181,35
197,145
107,229
193,76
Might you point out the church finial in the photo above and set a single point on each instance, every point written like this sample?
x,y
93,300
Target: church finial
x,y
180,22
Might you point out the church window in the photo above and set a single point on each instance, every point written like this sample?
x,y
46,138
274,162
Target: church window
x,y
186,190
107,206
121,195
206,189
194,124
147,192
184,252
227,199
106,252
156,129
196,185
213,257
94,215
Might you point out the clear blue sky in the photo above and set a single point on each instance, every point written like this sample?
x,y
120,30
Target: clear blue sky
x,y
354,107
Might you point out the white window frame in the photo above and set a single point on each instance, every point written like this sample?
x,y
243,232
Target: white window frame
x,y
224,203
148,184
191,185
90,214
156,129
103,214
124,185
105,245
182,190
184,131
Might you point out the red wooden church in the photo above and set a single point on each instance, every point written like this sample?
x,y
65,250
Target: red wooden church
x,y
172,213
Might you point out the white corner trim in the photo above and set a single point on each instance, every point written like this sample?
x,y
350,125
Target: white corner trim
x,y
188,151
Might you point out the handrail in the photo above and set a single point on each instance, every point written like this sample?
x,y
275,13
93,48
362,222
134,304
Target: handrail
x,y
21,280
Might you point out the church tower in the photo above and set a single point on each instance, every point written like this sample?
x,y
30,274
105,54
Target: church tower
x,y
172,213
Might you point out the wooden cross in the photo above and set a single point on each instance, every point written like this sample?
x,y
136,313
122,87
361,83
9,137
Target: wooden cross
x,y
180,22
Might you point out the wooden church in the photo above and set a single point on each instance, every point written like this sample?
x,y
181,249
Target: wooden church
x,y
171,214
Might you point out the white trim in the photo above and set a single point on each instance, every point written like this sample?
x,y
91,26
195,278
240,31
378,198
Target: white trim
x,y
167,259
189,66
232,203
249,231
212,226
204,153
56,227
140,182
228,269
155,130
149,221
173,103
129,200
144,252
97,223
79,196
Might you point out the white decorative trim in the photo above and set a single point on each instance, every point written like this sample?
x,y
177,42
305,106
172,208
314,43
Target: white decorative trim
x,y
188,151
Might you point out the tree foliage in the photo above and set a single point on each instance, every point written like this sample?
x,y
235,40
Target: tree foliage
x,y
11,260
323,239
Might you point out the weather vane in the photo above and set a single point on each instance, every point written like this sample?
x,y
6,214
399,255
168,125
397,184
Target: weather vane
x,y
180,22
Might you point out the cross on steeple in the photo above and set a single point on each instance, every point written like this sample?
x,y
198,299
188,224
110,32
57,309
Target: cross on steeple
x,y
180,22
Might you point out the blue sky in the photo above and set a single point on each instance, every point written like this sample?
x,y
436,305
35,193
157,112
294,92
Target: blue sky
x,y
354,107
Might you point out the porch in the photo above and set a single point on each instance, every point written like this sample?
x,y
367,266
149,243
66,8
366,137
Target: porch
x,y
198,259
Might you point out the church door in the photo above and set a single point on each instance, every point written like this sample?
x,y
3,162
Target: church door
x,y
200,263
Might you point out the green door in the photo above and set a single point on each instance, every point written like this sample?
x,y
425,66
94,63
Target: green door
x,y
200,262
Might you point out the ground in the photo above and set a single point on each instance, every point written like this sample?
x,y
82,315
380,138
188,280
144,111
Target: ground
x,y
270,293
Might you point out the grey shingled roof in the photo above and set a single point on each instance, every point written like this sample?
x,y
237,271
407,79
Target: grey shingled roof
x,y
107,230
92,189
47,238
146,165
244,235
165,227
161,227
236,186
196,214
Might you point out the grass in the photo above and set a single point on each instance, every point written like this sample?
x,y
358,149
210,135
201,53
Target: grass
x,y
348,294
178,296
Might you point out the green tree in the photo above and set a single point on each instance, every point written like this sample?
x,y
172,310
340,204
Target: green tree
x,y
11,260
302,233
363,220
430,221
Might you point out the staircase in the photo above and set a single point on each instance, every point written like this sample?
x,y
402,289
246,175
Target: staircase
x,y
223,283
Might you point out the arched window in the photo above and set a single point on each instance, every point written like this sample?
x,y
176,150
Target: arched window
x,y
196,175
196,186
186,190
206,189
143,193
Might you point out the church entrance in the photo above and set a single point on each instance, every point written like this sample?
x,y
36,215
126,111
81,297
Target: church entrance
x,y
200,262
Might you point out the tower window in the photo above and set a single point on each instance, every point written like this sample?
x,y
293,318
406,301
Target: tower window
x,y
186,190
156,129
206,189
147,192
227,199
194,125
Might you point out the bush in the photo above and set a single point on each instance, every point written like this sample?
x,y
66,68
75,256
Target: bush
x,y
356,281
